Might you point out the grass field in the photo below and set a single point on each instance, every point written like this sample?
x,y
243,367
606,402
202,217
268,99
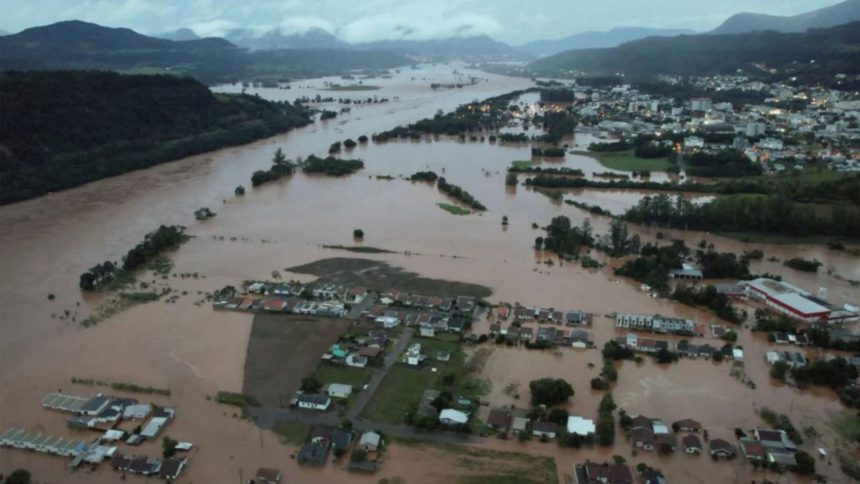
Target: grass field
x,y
626,161
454,209
292,433
357,377
522,164
351,87
403,386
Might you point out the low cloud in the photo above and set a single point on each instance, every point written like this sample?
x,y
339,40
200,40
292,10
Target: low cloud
x,y
301,24
434,26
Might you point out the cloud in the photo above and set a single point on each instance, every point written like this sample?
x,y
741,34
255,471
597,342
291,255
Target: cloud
x,y
213,28
301,24
431,25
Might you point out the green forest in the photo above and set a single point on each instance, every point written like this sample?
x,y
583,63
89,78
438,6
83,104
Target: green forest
x,y
62,129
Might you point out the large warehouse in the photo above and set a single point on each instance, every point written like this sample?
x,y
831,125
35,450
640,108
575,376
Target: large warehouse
x,y
795,302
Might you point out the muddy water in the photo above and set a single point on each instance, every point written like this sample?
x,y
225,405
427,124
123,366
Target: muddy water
x,y
46,243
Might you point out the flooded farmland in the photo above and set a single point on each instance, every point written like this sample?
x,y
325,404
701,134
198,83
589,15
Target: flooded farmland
x,y
196,352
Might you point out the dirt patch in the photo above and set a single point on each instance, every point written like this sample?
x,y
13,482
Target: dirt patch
x,y
282,350
380,276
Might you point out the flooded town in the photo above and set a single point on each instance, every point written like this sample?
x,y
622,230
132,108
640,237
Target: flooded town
x,y
451,270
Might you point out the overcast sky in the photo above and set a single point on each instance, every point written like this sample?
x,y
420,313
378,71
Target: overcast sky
x,y
513,21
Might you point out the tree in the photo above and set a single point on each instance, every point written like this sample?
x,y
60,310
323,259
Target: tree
x,y
19,476
599,384
310,384
805,463
279,158
504,220
511,179
358,455
558,416
730,336
539,243
665,356
240,190
779,370
168,447
358,234
549,391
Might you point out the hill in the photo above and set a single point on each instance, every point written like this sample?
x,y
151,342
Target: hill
x,y
273,39
480,47
834,50
594,39
838,14
65,128
180,35
81,45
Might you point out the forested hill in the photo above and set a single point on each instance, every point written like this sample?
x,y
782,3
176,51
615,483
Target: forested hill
x,y
65,128
82,45
834,50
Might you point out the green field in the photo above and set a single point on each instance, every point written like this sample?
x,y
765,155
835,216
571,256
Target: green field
x,y
403,386
292,433
627,161
522,164
454,209
357,377
351,87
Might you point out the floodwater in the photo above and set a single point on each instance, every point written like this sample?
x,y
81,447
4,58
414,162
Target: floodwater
x,y
47,242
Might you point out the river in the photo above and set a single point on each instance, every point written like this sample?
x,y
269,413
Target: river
x,y
47,242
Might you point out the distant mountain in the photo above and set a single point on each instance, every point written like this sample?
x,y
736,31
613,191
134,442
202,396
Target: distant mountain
x,y
81,45
4,32
834,50
594,39
479,47
838,14
315,38
180,35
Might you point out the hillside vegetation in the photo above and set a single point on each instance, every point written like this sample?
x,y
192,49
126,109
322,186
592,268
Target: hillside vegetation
x,y
835,50
65,128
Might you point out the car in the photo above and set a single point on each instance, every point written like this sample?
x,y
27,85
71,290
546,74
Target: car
x,y
366,386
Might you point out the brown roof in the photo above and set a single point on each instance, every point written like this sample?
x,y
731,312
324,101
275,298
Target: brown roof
x,y
369,352
643,435
640,421
268,475
499,418
689,423
754,449
721,445
691,442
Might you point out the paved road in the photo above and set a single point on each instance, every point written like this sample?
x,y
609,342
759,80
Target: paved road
x,y
393,356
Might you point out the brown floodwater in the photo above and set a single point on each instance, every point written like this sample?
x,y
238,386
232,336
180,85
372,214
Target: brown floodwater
x,y
47,242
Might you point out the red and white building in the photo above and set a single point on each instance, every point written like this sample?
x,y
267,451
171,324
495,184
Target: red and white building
x,y
796,303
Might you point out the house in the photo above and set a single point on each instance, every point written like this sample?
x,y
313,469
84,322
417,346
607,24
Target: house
x,y
413,356
425,407
153,427
314,401
369,351
95,405
144,466
495,329
774,440
593,473
782,459
369,441
519,424
687,425
273,304
356,295
502,312
526,333
721,448
753,451
692,444
643,438
650,476
137,411
443,355
544,429
457,325
580,339
337,437
466,304
450,416
574,318
666,442
580,426
388,322
500,419
171,468
356,361
314,453
267,476
427,331
659,427
686,274
338,390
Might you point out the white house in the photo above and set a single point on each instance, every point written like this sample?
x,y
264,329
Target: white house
x,y
356,361
388,321
338,390
449,416
369,441
580,426
314,401
413,356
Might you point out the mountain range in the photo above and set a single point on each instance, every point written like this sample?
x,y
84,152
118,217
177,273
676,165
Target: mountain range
x,y
816,54
838,14
82,45
594,39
